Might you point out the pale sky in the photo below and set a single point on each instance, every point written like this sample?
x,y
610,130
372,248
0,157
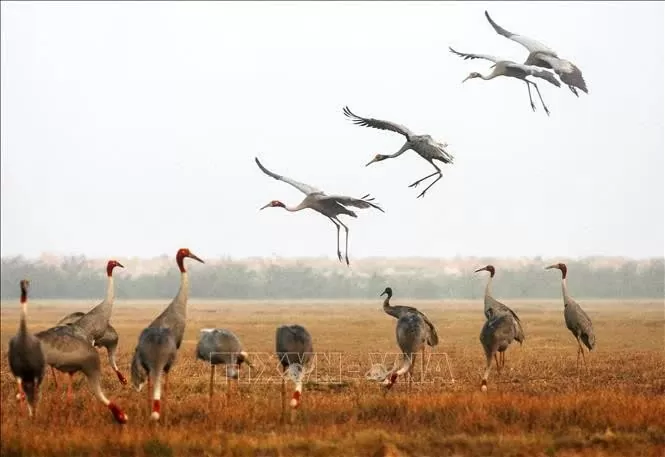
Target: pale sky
x,y
130,129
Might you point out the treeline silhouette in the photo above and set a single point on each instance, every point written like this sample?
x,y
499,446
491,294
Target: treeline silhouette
x,y
74,279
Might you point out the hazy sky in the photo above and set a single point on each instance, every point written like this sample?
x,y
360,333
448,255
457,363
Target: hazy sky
x,y
131,128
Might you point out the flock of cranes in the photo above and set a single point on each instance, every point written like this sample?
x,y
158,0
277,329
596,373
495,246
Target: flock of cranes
x,y
70,346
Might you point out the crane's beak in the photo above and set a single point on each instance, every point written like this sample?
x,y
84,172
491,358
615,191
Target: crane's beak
x,y
382,293
480,269
192,256
464,80
265,206
118,264
552,266
371,161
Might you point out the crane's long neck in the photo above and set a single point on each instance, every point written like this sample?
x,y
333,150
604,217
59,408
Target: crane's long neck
x,y
298,207
180,301
402,150
488,286
23,326
564,289
110,290
386,306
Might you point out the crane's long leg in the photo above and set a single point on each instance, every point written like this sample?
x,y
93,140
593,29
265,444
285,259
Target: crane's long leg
x,y
488,368
541,98
581,350
437,172
528,86
212,379
283,393
422,365
346,253
339,254
498,366
55,378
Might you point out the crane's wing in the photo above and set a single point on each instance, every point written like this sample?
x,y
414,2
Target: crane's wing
x,y
304,188
474,56
529,43
363,202
534,71
377,123
567,71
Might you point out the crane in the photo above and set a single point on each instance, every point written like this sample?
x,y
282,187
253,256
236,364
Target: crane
x,y
70,351
398,311
294,349
330,206
542,56
577,321
498,332
26,357
154,352
95,323
493,306
513,70
219,346
411,332
109,340
424,145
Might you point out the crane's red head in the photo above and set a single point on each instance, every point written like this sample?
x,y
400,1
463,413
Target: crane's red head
x,y
472,75
25,285
489,268
559,266
111,265
273,204
180,257
377,158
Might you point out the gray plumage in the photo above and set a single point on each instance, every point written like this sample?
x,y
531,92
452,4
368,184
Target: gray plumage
x,y
577,321
493,306
424,145
218,346
399,311
154,355
294,350
68,350
496,335
26,356
411,333
542,56
330,206
512,69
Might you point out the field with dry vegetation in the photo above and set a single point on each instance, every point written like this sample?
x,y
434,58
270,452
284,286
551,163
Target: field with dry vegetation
x,y
540,405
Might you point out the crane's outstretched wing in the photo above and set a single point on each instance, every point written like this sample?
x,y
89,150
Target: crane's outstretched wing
x,y
474,56
304,188
535,71
530,44
377,123
567,71
363,202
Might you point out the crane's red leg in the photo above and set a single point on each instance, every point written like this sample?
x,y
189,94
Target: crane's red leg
x,y
498,366
149,393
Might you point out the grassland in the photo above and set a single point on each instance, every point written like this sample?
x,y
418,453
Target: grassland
x,y
539,406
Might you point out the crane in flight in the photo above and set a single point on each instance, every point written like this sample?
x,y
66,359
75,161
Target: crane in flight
x,y
513,70
424,145
330,206
542,56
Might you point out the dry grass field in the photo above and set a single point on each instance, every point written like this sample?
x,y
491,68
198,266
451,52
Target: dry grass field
x,y
539,406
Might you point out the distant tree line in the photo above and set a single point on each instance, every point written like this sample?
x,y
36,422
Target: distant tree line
x,y
75,279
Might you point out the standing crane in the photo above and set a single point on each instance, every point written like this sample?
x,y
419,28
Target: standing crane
x,y
411,332
577,321
542,56
154,352
513,70
69,351
424,145
493,307
219,346
95,323
330,206
399,311
26,357
496,335
294,349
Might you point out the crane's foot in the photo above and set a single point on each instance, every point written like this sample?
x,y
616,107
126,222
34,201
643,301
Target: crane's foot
x,y
347,260
415,184
422,194
339,255
546,110
533,107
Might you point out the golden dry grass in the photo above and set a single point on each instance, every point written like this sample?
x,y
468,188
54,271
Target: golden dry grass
x,y
539,406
